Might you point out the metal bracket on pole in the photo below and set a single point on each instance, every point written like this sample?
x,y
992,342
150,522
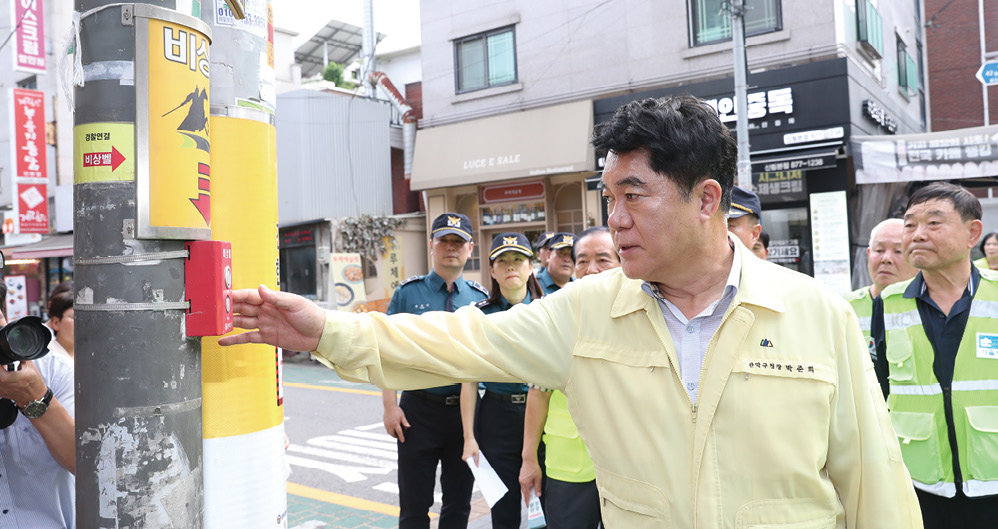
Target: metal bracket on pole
x,y
127,18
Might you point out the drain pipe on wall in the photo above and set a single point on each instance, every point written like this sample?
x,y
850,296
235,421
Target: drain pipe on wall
x,y
408,117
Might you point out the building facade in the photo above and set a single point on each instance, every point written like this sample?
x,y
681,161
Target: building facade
x,y
959,38
511,90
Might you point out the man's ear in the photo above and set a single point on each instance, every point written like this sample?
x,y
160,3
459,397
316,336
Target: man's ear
x,y
709,193
976,229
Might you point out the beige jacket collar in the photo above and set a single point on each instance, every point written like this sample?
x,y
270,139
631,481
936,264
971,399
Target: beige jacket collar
x,y
753,288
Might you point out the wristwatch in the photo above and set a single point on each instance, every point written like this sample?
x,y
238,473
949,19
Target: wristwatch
x,y
37,408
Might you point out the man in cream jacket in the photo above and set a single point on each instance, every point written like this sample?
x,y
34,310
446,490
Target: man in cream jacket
x,y
711,388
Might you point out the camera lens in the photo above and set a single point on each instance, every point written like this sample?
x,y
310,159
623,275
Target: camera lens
x,y
24,341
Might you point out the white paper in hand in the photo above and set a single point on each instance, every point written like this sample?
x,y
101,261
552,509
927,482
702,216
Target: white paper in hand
x,y
493,489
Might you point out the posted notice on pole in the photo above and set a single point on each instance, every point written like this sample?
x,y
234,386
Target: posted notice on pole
x,y
103,152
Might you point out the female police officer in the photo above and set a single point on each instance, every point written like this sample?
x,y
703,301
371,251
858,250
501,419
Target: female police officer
x,y
498,430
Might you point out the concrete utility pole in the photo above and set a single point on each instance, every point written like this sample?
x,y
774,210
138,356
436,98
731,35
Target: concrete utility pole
x,y
138,377
737,10
244,466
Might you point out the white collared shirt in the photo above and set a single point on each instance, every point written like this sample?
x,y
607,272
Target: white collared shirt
x,y
692,336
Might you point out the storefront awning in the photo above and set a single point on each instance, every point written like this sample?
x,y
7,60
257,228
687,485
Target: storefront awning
x,y
945,155
60,245
536,142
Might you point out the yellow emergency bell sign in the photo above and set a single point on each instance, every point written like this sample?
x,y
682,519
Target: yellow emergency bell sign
x,y
173,183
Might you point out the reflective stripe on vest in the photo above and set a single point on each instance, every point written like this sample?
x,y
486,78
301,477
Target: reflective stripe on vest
x,y
916,402
942,488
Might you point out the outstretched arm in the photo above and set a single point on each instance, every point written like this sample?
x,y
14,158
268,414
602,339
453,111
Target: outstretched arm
x,y
278,318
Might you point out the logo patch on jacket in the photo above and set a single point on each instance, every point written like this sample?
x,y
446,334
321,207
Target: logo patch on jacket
x,y
987,345
766,343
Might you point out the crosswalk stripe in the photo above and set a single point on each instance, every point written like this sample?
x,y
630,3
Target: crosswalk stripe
x,y
350,474
373,436
391,447
328,443
349,458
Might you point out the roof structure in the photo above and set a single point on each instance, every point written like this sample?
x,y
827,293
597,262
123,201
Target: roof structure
x,y
341,41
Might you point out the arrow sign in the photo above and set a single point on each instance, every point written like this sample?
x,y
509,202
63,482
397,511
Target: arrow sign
x,y
988,73
98,159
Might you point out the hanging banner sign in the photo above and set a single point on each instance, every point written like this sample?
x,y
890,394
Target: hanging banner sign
x,y
29,38
173,171
947,155
29,133
32,208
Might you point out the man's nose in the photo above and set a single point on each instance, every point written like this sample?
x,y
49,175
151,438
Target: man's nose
x,y
618,218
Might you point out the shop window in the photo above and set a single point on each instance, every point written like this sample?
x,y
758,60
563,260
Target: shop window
x,y
485,60
568,208
789,232
468,206
298,271
710,22
869,28
28,83
907,69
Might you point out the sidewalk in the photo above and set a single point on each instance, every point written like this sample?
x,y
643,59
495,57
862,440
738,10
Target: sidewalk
x,y
306,513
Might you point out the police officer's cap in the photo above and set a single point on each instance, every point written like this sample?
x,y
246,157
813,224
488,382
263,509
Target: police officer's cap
x,y
744,202
561,240
451,223
510,242
543,239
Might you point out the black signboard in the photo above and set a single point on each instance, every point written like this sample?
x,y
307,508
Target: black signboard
x,y
786,106
780,186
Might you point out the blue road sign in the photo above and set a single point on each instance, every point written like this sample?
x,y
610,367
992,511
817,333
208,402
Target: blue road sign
x,y
988,74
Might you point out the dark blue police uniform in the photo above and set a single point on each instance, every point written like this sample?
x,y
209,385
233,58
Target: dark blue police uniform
x,y
434,417
499,431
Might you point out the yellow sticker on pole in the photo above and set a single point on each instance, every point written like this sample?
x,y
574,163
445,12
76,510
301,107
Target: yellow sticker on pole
x,y
177,197
103,152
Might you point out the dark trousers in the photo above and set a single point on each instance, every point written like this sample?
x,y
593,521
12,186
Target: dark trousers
x,y
499,431
959,512
434,435
571,505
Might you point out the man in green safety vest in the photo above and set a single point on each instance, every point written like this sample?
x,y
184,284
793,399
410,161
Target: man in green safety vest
x,y
942,350
887,266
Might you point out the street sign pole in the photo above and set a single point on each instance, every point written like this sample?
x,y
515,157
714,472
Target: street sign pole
x,y
744,176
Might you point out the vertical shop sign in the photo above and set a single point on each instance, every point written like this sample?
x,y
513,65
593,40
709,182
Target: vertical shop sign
x,y
830,239
29,133
173,175
29,38
17,297
32,208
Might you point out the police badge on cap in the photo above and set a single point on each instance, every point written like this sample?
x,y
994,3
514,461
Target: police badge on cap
x,y
510,242
451,223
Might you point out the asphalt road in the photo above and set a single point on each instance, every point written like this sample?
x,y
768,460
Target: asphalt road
x,y
343,464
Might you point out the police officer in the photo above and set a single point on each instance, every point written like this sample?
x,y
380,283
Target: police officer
x,y
497,428
427,422
887,266
942,350
541,250
560,263
744,216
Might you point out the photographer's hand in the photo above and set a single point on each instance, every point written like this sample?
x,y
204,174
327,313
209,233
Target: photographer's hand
x,y
56,425
23,385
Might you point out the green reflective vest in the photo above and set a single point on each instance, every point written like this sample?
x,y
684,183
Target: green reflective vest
x,y
916,401
982,263
566,456
862,305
